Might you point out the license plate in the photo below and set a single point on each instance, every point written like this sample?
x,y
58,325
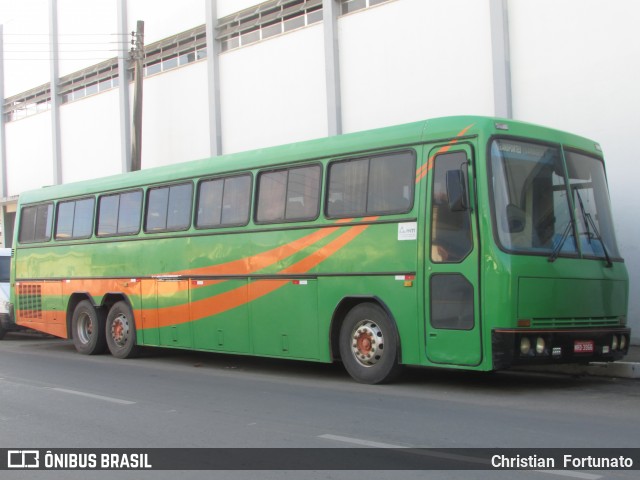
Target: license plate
x,y
583,346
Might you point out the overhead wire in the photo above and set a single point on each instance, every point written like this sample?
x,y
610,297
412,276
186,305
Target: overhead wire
x,y
23,53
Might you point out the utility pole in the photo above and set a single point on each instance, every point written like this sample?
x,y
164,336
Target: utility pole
x,y
3,146
54,67
137,54
123,88
330,14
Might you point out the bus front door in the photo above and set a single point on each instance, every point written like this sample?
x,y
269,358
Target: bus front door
x,y
452,313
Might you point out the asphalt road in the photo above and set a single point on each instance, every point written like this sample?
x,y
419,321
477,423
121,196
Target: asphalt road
x,y
52,397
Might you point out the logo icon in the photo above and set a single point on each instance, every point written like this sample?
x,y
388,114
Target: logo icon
x,y
23,459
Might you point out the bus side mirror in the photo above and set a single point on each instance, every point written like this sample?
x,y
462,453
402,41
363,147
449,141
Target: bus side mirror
x,y
456,191
516,218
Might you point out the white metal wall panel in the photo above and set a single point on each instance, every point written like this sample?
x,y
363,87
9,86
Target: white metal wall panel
x,y
87,32
163,19
274,92
175,116
90,135
415,59
27,67
29,158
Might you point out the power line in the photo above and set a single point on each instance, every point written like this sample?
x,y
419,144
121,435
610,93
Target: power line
x,y
66,34
67,51
66,43
23,52
59,59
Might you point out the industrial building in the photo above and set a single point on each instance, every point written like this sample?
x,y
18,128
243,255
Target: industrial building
x,y
223,76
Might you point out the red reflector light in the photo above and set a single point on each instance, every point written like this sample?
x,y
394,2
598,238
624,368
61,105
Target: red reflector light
x,y
524,323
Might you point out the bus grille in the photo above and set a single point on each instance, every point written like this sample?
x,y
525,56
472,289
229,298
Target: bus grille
x,y
575,322
30,301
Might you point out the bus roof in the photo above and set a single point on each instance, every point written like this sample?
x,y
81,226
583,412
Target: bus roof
x,y
353,143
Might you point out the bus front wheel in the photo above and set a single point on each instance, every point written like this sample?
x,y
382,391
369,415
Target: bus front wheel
x,y
121,331
369,344
87,329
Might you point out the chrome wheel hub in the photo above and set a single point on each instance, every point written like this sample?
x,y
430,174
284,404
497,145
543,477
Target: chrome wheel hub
x,y
367,343
120,330
84,328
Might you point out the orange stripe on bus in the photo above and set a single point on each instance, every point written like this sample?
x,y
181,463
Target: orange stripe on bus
x,y
422,171
48,321
264,287
209,306
254,263
247,265
239,296
38,288
96,287
323,253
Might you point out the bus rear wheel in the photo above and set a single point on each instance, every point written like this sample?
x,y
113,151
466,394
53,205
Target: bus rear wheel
x,y
369,344
87,329
121,331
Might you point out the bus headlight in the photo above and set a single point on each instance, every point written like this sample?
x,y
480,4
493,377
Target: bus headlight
x,y
623,342
525,346
614,343
540,345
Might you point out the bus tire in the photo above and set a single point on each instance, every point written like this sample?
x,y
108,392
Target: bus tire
x,y
87,329
121,331
369,344
3,332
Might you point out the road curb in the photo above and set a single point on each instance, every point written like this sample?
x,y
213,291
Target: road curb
x,y
596,369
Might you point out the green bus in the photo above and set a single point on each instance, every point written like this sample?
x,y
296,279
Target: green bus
x,y
460,242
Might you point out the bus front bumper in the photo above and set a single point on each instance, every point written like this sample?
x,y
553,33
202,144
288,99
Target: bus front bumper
x,y
514,347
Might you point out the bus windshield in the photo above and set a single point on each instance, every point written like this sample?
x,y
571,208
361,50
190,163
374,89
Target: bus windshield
x,y
530,197
591,200
532,205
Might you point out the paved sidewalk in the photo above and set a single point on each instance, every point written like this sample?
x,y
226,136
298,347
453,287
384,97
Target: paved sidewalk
x,y
633,355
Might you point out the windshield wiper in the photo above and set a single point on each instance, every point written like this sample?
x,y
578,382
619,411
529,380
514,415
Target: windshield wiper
x,y
588,220
558,247
609,263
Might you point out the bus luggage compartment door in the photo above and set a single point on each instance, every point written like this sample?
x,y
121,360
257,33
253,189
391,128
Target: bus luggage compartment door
x,y
173,313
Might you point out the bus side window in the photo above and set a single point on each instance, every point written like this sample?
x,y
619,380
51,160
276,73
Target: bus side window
x,y
35,223
223,202
451,238
75,219
119,214
291,195
169,208
378,185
